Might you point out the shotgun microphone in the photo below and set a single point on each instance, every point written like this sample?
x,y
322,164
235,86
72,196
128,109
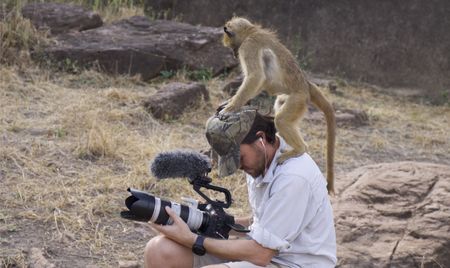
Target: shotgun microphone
x,y
181,164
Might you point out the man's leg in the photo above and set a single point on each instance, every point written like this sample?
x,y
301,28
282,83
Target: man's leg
x,y
244,264
163,252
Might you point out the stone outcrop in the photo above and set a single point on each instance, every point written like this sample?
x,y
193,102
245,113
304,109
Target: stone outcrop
x,y
141,46
61,18
394,215
175,98
385,43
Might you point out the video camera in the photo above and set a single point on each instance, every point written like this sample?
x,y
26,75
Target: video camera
x,y
208,219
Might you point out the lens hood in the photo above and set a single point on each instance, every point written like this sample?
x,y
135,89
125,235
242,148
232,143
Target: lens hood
x,y
140,206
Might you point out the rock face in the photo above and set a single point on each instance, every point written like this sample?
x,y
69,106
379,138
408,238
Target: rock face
x,y
61,18
140,46
171,101
394,215
389,44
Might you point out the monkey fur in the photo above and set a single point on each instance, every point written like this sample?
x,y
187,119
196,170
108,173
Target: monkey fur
x,y
267,64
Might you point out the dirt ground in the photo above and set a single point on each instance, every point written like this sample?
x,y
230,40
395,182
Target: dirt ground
x,y
70,146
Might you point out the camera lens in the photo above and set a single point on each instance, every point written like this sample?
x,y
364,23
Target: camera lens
x,y
146,207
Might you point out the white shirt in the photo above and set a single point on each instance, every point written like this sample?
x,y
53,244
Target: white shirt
x,y
292,212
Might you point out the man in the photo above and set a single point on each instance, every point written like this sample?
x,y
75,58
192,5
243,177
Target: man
x,y
292,223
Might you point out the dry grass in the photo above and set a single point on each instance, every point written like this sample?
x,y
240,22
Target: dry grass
x,y
68,152
115,9
70,146
17,37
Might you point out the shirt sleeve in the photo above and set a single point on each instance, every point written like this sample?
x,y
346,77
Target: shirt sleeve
x,y
285,213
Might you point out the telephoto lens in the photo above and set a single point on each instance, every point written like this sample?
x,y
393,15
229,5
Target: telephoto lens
x,y
145,207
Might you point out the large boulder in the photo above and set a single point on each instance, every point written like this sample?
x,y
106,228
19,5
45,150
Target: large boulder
x,y
61,18
138,45
171,101
394,215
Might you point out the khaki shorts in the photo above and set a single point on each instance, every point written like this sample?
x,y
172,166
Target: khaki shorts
x,y
207,259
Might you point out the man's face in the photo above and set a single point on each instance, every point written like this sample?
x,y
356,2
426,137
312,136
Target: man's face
x,y
252,158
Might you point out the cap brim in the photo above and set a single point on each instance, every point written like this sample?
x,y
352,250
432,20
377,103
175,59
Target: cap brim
x,y
229,163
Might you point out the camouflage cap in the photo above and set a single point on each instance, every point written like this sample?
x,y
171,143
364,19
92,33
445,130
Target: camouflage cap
x,y
225,132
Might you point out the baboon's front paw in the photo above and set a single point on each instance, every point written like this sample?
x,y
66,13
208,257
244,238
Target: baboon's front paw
x,y
229,108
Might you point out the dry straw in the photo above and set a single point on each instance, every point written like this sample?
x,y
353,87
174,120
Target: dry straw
x,y
71,144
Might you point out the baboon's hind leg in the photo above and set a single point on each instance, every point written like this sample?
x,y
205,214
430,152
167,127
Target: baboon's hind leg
x,y
286,122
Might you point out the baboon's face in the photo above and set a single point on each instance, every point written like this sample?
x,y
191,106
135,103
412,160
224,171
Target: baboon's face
x,y
228,34
234,32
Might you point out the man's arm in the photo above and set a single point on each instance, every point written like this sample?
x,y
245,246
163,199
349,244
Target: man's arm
x,y
241,249
245,221
245,250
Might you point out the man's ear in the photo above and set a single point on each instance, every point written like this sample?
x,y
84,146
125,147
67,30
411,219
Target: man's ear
x,y
261,135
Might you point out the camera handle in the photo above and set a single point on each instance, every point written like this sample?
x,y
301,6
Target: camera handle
x,y
204,183
238,228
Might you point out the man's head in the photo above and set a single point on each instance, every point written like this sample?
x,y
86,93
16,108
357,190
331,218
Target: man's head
x,y
239,138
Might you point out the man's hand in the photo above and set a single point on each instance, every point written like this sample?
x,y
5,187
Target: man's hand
x,y
179,231
241,249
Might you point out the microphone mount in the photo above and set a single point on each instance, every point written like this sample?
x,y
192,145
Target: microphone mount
x,y
204,182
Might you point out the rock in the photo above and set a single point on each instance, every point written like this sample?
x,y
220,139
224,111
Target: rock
x,y
351,117
61,18
394,215
320,82
233,85
129,264
332,86
263,101
138,45
36,259
344,118
171,101
39,132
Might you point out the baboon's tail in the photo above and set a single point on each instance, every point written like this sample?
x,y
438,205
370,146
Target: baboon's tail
x,y
319,100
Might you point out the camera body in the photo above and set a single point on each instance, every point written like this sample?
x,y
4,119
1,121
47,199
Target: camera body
x,y
219,224
205,219
208,219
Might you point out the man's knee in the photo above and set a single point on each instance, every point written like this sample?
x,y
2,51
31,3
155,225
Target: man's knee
x,y
160,252
158,247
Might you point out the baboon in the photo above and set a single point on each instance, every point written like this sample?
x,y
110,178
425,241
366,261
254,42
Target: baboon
x,y
269,65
